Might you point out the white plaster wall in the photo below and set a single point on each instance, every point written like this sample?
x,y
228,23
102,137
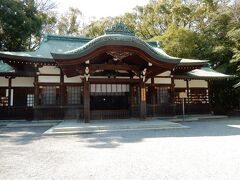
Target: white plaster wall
x,y
49,70
3,82
198,83
179,83
76,79
166,73
23,82
49,79
162,80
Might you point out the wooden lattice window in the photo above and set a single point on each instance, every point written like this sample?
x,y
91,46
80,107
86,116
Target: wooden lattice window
x,y
30,100
135,95
49,95
74,95
163,95
198,96
3,97
109,89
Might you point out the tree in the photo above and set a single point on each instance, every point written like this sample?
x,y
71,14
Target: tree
x,y
97,28
21,24
180,42
69,23
19,20
46,9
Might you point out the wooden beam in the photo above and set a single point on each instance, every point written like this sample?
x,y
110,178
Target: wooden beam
x,y
125,67
153,71
113,80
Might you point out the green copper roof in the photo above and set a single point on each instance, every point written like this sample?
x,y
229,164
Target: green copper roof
x,y
5,68
65,47
189,62
121,40
203,73
50,43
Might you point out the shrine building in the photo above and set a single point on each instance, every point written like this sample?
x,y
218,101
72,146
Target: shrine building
x,y
113,76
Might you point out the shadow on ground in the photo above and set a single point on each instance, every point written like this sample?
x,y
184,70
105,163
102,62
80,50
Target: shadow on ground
x,y
197,129
22,136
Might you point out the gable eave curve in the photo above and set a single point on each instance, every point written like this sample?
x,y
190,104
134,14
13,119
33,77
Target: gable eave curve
x,y
116,40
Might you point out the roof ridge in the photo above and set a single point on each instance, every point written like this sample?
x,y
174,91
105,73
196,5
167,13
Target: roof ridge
x,y
48,37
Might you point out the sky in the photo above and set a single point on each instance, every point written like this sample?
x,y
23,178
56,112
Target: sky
x,y
100,8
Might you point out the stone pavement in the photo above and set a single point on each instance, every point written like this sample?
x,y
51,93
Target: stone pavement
x,y
78,127
208,150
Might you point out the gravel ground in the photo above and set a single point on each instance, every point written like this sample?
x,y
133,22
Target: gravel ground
x,y
208,150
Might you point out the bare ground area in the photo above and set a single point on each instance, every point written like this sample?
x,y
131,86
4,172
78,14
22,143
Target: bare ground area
x,y
208,150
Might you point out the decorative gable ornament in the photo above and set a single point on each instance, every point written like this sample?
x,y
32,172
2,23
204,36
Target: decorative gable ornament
x,y
118,55
119,28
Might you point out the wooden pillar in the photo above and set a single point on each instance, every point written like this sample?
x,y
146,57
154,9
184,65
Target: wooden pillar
x,y
36,91
188,90
172,99
36,97
86,101
62,89
143,105
9,92
188,106
210,96
131,100
153,96
172,94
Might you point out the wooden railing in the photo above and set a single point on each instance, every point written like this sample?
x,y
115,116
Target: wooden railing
x,y
16,113
109,114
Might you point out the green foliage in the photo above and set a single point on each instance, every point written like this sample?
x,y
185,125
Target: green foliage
x,y
20,22
179,42
224,97
69,23
97,28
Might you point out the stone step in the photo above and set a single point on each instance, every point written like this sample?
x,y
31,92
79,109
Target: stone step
x,y
78,128
30,124
187,118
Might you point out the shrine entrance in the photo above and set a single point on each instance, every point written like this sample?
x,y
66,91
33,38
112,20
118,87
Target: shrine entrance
x,y
109,101
109,97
